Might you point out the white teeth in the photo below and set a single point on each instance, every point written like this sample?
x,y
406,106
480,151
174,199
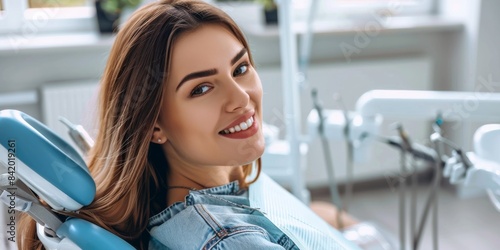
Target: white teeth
x,y
249,122
241,127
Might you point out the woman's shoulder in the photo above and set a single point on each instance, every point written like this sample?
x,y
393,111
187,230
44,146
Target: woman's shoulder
x,y
216,218
206,226
217,198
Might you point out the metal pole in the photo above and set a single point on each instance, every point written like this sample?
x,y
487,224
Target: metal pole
x,y
291,100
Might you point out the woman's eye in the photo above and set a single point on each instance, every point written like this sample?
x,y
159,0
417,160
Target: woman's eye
x,y
242,69
200,90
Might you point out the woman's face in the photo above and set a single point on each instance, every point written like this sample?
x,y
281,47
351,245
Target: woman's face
x,y
211,114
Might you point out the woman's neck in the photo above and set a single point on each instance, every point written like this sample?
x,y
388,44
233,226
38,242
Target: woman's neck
x,y
182,180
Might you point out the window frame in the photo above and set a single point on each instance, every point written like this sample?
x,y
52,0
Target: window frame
x,y
341,10
17,18
424,7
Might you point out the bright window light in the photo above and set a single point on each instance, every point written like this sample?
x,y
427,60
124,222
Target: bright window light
x,y
34,17
55,3
349,9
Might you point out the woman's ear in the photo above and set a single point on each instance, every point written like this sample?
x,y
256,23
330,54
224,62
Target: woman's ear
x,y
158,136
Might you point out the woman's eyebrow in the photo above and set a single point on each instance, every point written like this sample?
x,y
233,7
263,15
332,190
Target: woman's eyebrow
x,y
240,54
209,72
198,74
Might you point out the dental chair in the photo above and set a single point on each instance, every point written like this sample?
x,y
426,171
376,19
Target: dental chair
x,y
42,166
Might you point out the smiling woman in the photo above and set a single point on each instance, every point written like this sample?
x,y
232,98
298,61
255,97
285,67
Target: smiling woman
x,y
212,87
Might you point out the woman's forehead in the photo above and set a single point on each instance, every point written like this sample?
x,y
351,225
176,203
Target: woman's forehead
x,y
207,46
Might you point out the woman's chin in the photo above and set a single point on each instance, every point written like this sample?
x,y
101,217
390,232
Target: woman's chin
x,y
247,153
249,159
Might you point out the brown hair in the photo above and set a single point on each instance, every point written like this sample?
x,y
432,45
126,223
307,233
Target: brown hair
x,y
131,172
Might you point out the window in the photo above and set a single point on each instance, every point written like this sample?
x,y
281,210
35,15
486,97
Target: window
x,y
399,7
351,9
31,17
50,4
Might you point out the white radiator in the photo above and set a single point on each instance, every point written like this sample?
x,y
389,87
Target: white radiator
x,y
76,101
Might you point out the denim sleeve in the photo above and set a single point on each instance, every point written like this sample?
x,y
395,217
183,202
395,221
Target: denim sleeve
x,y
241,240
244,240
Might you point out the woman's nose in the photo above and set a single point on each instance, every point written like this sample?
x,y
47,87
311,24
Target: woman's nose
x,y
237,96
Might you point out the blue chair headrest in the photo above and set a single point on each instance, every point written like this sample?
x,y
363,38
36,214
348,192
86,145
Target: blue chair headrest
x,y
44,162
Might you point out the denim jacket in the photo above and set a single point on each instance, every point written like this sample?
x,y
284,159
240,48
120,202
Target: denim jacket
x,y
222,218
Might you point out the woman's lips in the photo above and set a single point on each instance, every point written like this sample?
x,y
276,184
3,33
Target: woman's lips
x,y
240,119
242,134
239,127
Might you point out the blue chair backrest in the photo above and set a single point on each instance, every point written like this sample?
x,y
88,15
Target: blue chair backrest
x,y
55,171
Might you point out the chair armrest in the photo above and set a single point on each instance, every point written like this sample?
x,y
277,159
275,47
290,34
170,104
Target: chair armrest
x,y
89,236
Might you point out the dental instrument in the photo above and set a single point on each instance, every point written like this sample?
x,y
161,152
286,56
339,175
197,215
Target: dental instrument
x,y
328,160
431,201
79,135
405,147
374,105
349,153
417,150
485,169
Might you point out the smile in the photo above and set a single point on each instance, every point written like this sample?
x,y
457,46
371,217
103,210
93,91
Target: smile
x,y
240,127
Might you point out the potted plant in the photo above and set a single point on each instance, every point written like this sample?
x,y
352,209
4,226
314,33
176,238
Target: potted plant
x,y
270,11
109,13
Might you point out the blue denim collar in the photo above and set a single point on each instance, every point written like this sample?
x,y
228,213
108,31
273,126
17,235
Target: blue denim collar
x,y
232,188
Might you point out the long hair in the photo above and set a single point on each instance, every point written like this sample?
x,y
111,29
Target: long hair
x,y
131,172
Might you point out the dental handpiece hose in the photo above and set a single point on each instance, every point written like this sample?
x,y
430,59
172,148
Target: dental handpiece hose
x,y
463,157
430,200
425,153
413,204
405,147
329,163
417,150
78,134
437,139
350,154
437,184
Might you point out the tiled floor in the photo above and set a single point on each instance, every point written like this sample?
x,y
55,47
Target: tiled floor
x,y
469,223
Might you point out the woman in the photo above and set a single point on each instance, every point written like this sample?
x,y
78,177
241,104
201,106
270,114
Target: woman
x,y
179,135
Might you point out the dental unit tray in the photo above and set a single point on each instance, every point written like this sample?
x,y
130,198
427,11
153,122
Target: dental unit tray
x,y
45,164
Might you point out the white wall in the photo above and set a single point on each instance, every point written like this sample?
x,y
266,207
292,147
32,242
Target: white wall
x,y
448,52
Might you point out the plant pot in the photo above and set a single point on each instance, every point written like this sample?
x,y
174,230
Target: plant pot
x,y
271,16
107,22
